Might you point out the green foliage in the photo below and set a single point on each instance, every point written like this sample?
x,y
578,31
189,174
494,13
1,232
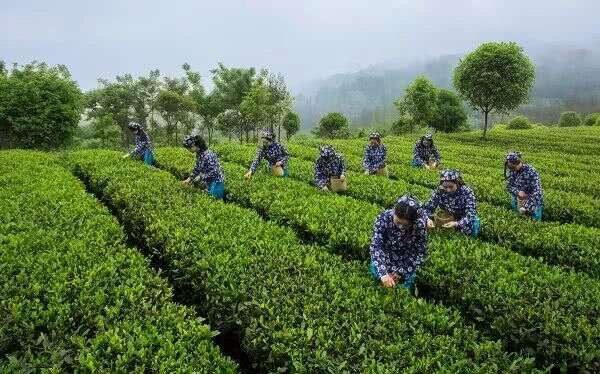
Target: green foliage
x,y
106,130
40,106
591,119
232,84
231,122
597,121
256,108
484,290
495,77
256,277
569,119
73,297
291,124
450,116
333,125
419,102
519,123
403,125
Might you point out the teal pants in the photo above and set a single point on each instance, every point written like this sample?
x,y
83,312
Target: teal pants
x,y
409,280
476,227
537,214
148,157
217,190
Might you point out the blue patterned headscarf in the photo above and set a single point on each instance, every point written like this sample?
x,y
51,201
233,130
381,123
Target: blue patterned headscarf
x,y
375,135
513,157
408,207
450,175
267,134
327,151
134,126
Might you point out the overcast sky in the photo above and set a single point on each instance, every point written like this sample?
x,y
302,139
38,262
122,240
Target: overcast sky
x,y
304,40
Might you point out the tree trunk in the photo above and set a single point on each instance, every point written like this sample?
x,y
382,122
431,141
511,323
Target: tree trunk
x,y
279,132
485,123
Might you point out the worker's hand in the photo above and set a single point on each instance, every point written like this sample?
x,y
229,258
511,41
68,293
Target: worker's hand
x,y
279,163
451,225
430,224
324,189
248,175
522,195
388,281
126,155
187,182
523,211
367,172
342,177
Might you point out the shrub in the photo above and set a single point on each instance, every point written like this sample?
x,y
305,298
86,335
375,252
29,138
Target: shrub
x,y
569,119
591,119
519,123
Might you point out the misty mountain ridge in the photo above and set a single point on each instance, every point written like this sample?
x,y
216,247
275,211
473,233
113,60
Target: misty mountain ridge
x,y
567,78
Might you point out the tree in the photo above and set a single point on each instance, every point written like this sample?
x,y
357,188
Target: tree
x,y
232,84
449,115
230,122
402,125
125,100
519,123
569,119
495,77
590,119
280,99
291,124
419,102
333,125
256,108
175,107
107,131
40,106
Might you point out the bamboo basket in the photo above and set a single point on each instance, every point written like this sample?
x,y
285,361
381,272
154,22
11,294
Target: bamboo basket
x,y
277,171
338,185
442,217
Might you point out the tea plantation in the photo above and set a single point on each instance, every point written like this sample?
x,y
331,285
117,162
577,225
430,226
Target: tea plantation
x,y
108,265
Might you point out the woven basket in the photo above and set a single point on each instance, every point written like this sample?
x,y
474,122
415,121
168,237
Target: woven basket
x,y
382,172
338,185
442,217
277,171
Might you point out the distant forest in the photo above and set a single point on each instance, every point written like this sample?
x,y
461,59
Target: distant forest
x,y
566,79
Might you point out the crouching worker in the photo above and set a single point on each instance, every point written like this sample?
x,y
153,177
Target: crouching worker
x,y
425,153
525,187
207,171
330,170
143,145
453,205
275,154
374,158
399,243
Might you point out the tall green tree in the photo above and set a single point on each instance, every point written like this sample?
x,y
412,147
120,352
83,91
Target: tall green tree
x,y
257,108
126,99
40,106
230,123
232,84
280,99
291,124
333,125
107,131
419,102
495,77
175,107
450,114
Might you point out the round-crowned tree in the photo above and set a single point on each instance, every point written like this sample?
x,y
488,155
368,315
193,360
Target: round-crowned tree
x,y
333,125
569,119
495,77
40,106
519,123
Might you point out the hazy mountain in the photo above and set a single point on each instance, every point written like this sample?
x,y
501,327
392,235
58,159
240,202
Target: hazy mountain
x,y
567,78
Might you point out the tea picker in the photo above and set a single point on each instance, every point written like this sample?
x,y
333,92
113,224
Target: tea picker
x,y
524,185
274,153
143,145
399,243
425,153
374,158
453,205
330,170
207,170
